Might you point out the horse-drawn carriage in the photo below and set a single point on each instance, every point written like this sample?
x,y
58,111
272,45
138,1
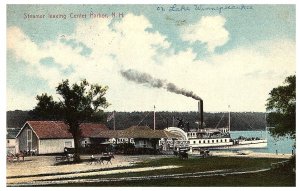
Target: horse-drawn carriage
x,y
10,156
67,156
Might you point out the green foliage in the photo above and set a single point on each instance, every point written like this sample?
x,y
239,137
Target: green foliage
x,y
282,107
47,108
82,101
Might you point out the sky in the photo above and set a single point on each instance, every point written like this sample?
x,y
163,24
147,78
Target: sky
x,y
225,56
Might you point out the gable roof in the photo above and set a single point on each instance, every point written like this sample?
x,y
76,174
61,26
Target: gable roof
x,y
136,132
50,129
60,130
90,129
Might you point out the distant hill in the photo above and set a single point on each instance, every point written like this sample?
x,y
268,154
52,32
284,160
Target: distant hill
x,y
240,121
16,119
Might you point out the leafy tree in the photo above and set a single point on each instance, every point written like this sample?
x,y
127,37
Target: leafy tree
x,y
80,102
47,109
282,108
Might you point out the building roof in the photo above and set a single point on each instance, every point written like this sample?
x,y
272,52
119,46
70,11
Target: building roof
x,y
136,132
50,129
90,129
60,130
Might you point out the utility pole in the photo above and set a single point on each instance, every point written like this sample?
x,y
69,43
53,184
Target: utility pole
x,y
154,119
173,122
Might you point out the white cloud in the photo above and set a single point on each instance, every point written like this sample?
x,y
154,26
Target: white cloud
x,y
22,46
25,49
18,100
241,77
209,30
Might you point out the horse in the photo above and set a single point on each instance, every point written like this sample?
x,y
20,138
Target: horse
x,y
93,160
106,158
10,157
21,154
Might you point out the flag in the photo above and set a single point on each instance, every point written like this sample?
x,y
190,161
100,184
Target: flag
x,y
111,117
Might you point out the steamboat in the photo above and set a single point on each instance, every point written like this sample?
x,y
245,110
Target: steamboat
x,y
210,138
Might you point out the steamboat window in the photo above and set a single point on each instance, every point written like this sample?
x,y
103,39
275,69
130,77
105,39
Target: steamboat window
x,y
212,141
194,142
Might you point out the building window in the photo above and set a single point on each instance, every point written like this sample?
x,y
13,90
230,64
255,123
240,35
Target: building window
x,y
7,141
194,142
29,135
29,140
68,144
212,141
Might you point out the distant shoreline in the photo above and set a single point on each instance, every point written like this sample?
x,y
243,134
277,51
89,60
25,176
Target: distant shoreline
x,y
250,154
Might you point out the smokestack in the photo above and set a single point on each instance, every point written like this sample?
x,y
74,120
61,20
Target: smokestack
x,y
200,109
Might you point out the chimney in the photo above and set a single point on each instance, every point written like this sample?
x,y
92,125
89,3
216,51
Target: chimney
x,y
200,109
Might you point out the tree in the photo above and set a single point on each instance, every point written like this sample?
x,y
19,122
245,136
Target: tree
x,y
47,109
80,102
282,108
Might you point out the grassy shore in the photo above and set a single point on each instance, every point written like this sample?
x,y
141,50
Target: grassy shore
x,y
195,165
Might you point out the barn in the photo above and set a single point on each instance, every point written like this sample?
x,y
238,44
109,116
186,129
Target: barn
x,y
47,137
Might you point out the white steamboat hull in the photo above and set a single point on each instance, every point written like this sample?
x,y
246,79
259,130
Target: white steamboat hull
x,y
241,145
251,144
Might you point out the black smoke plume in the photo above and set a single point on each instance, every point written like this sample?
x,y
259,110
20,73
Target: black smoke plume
x,y
148,80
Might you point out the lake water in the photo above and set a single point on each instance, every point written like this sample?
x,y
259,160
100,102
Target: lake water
x,y
282,145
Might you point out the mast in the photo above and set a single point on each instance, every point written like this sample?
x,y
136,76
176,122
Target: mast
x,y
154,118
229,118
114,120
